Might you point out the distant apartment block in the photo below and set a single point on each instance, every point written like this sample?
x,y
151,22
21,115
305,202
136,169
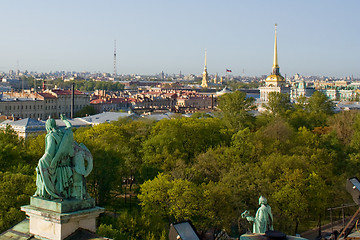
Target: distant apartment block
x,y
153,100
43,104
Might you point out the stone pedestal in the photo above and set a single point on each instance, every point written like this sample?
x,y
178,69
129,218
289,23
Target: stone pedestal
x,y
57,220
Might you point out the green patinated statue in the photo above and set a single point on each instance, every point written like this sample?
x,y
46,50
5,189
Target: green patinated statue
x,y
81,170
61,169
263,220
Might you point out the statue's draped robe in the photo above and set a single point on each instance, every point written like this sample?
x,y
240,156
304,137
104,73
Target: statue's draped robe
x,y
44,179
54,174
62,164
263,219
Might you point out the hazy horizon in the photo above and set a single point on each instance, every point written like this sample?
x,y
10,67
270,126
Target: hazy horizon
x,y
317,38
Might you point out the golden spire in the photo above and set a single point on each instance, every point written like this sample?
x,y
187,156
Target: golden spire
x,y
275,77
204,83
205,59
275,65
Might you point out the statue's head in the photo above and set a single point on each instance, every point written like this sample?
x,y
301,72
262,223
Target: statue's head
x,y
50,124
262,200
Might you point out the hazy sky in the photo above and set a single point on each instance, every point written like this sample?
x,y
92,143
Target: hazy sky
x,y
315,37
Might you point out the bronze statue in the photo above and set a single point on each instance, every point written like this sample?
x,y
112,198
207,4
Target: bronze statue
x,y
263,220
59,168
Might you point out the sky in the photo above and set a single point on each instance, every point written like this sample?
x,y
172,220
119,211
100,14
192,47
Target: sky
x,y
319,37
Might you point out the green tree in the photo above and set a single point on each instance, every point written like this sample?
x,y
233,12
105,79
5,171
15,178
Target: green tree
x,y
290,197
172,199
15,191
236,109
87,110
12,149
183,139
133,225
279,104
106,143
320,103
343,124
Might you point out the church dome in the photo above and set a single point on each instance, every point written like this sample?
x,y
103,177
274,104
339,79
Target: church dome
x,y
275,78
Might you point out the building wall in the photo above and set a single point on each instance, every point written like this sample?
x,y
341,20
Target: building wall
x,y
43,108
23,109
264,92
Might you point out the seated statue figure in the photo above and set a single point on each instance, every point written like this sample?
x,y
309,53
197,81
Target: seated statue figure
x,y
54,174
263,220
62,169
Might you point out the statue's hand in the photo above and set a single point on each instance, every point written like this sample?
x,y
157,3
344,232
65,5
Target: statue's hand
x,y
62,117
245,214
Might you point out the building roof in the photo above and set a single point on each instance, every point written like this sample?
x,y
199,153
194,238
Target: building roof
x,y
30,125
275,78
98,101
46,95
26,123
156,117
225,90
117,100
106,117
76,122
7,121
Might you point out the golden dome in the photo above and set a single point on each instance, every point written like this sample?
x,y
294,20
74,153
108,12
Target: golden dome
x,y
275,78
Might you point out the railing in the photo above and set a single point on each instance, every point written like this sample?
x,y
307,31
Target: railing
x,y
342,207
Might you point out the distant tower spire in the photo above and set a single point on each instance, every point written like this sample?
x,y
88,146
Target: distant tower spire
x,y
115,73
275,67
205,60
204,82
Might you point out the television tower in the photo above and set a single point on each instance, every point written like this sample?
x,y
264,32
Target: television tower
x,y
115,73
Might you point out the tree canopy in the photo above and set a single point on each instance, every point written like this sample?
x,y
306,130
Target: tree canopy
x,y
206,169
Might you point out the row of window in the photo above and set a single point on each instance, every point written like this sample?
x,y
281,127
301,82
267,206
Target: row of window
x,y
22,107
26,107
38,115
35,115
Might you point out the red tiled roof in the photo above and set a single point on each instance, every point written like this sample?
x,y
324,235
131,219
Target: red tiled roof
x,y
97,101
152,93
111,100
170,95
46,95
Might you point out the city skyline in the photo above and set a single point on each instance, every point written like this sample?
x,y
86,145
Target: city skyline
x,y
314,38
